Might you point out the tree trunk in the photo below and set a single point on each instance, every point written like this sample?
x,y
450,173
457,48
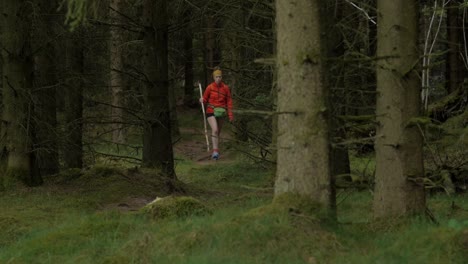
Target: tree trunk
x,y
17,103
455,67
303,165
157,141
45,82
232,57
339,158
173,111
73,145
189,95
212,47
116,67
398,145
3,152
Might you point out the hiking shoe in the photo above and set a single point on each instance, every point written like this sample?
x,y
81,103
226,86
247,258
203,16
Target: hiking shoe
x,y
215,156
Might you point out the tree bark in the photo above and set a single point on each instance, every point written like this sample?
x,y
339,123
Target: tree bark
x,y
303,165
17,87
398,145
3,151
232,57
212,47
339,158
116,67
175,131
157,140
73,145
455,67
189,95
45,82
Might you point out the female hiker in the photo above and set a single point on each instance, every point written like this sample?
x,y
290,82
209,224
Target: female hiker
x,y
217,98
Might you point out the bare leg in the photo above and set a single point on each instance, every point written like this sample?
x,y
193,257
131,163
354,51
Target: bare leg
x,y
220,125
214,131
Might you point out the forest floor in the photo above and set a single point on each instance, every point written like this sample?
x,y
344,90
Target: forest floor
x,y
97,215
194,148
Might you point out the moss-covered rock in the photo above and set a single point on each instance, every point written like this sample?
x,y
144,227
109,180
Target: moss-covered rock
x,y
178,207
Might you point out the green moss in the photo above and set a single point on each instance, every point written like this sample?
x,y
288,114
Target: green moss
x,y
289,217
67,175
304,205
447,100
178,207
418,121
449,138
300,202
15,177
102,185
104,171
311,57
462,242
292,204
118,259
457,123
11,229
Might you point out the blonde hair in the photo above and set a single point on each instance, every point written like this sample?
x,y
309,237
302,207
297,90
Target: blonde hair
x,y
217,72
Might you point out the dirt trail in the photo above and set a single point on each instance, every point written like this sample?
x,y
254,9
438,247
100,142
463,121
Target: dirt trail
x,y
192,145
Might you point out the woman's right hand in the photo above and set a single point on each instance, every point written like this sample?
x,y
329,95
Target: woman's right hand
x,y
201,100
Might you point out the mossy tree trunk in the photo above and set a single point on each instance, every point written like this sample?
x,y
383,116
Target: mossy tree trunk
x,y
157,140
17,86
45,83
398,145
73,86
303,165
116,81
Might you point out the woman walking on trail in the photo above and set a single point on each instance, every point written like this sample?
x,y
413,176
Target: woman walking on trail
x,y
217,97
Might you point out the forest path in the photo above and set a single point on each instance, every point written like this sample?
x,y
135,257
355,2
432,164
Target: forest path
x,y
192,145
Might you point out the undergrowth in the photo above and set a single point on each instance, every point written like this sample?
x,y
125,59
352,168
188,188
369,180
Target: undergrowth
x,y
67,221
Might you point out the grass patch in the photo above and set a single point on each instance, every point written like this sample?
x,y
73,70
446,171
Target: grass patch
x,y
239,173
411,242
362,170
66,221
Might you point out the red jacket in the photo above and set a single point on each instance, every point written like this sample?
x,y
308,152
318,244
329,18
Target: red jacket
x,y
218,96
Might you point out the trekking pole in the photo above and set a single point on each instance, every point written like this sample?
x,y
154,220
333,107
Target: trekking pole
x,y
204,118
